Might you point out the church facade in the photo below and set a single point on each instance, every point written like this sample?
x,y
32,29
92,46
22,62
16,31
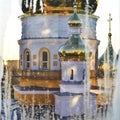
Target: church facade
x,y
44,32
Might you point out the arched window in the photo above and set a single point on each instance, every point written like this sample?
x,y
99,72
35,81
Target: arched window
x,y
27,60
44,59
71,75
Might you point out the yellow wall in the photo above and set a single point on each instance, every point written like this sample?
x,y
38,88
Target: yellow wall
x,y
40,83
28,99
93,78
43,98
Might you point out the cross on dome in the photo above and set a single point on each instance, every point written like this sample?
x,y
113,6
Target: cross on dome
x,y
109,20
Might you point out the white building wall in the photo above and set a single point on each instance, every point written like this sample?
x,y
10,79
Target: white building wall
x,y
73,88
73,105
79,69
52,31
35,45
41,26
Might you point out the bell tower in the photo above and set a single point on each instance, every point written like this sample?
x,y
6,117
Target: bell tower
x,y
74,56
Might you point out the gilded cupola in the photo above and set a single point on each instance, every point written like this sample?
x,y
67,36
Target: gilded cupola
x,y
75,48
57,6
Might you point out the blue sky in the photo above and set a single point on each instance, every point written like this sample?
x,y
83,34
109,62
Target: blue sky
x,y
10,26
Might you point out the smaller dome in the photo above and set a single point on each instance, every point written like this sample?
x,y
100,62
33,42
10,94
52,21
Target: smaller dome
x,y
108,55
74,20
75,49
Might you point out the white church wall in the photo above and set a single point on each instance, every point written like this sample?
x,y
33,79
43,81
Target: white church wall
x,y
69,105
79,69
49,31
52,26
35,45
79,88
73,105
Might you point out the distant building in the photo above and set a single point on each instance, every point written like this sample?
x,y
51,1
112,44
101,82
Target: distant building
x,y
13,65
1,76
11,68
108,60
1,68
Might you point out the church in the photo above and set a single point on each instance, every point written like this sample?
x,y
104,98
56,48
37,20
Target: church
x,y
58,55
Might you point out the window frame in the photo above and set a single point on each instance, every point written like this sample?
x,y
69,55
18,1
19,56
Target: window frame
x,y
27,59
44,61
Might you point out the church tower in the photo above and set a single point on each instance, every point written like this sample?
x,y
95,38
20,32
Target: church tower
x,y
107,61
74,56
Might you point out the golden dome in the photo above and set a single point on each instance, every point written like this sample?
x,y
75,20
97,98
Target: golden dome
x,y
74,19
74,49
58,6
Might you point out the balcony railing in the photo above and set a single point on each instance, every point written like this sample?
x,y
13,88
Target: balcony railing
x,y
40,74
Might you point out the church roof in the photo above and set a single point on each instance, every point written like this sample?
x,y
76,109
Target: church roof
x,y
74,20
107,55
36,88
75,47
72,83
67,94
